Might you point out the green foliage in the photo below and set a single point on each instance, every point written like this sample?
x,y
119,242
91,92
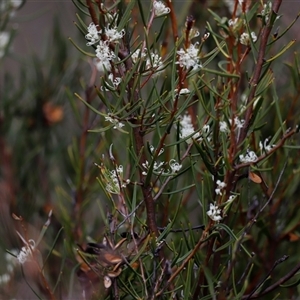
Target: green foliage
x,y
174,172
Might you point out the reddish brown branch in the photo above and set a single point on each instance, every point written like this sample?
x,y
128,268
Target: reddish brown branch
x,y
173,20
257,71
275,285
92,12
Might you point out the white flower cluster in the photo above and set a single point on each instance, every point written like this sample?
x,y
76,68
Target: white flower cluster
x,y
103,52
223,126
238,123
265,146
174,165
245,38
194,32
26,252
113,83
160,8
220,186
153,60
249,157
214,212
104,56
152,149
117,125
113,34
183,91
156,167
233,22
230,199
138,54
115,181
189,58
11,262
266,12
187,129
93,34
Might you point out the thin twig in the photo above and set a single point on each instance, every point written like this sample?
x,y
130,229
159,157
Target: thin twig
x,y
275,285
257,71
183,229
277,262
253,220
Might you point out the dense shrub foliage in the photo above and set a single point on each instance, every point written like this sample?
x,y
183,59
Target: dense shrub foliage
x,y
159,162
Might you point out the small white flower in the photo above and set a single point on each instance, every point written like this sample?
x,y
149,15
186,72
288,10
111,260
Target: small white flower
x,y
103,51
155,62
220,185
232,22
104,55
174,165
160,8
205,133
26,252
239,123
113,34
93,34
107,282
223,126
117,124
183,91
194,32
152,150
205,129
156,167
231,198
264,146
102,65
214,212
109,16
253,37
137,54
245,39
266,11
249,157
114,179
115,82
187,129
189,57
206,36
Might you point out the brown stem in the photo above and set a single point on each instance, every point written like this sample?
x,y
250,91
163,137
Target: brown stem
x,y
189,257
275,285
257,71
92,12
146,189
173,20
